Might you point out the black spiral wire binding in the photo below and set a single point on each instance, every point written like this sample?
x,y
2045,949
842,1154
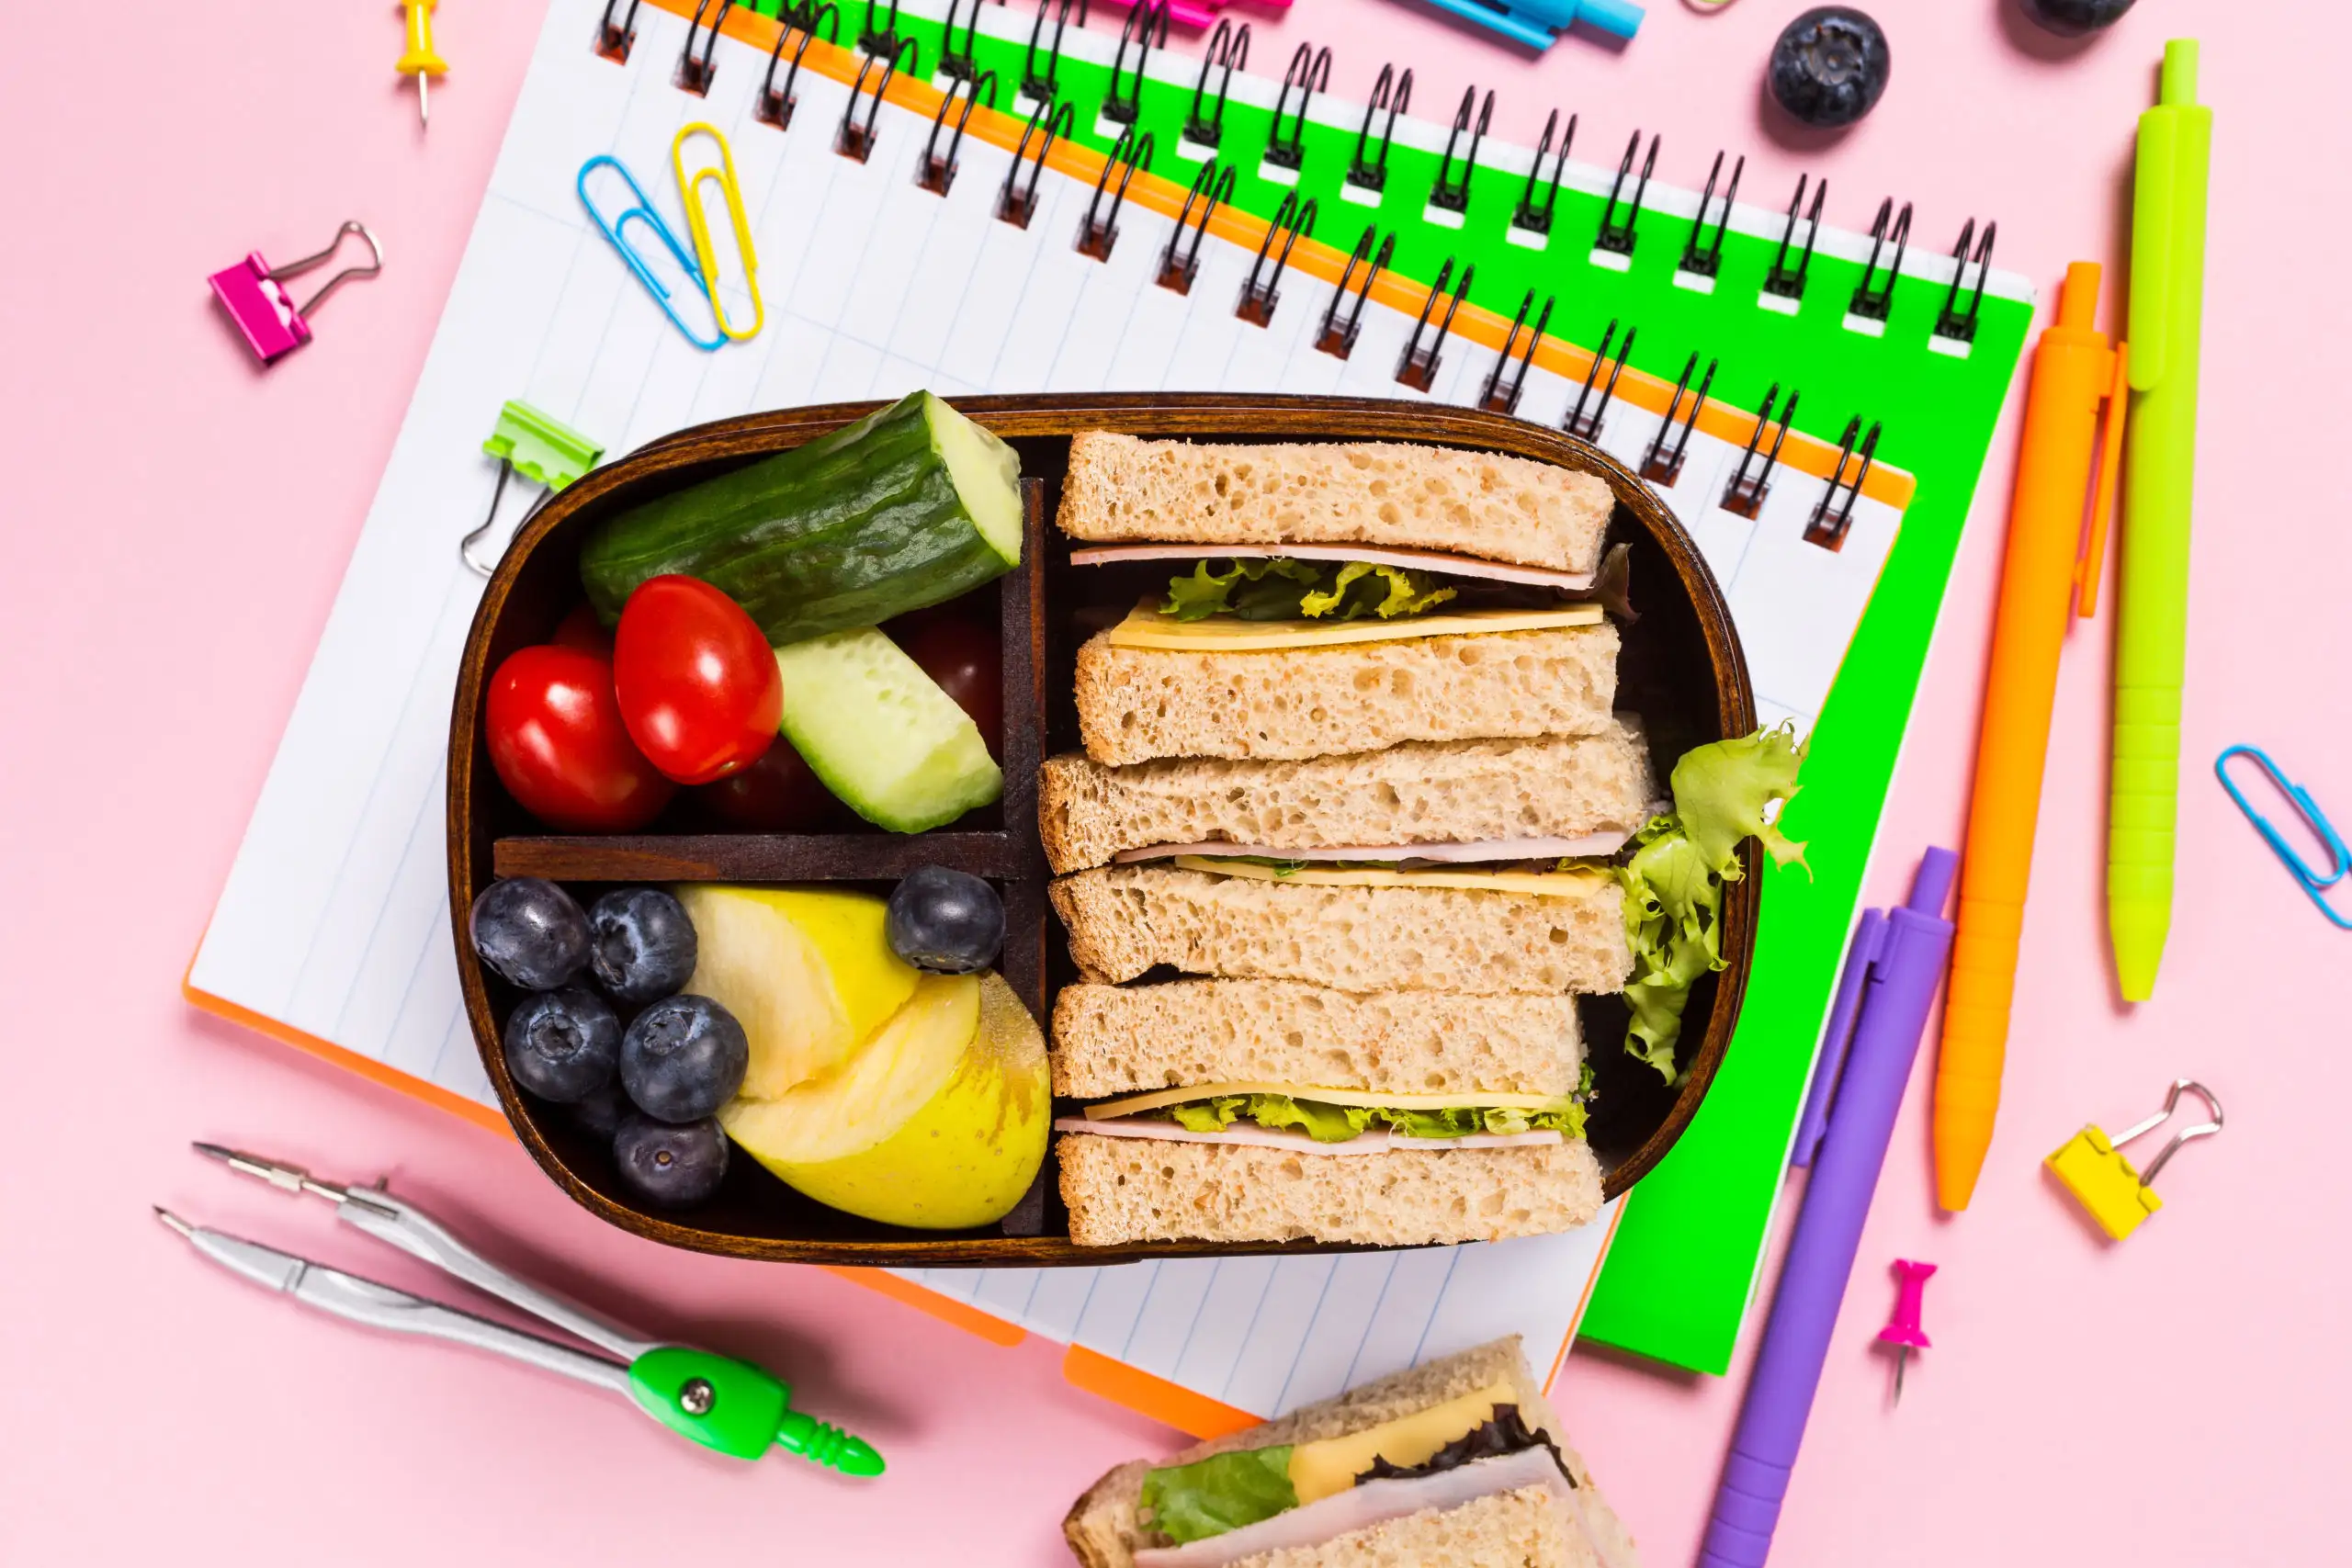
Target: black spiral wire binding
x,y
1874,304
774,106
1015,206
1827,531
1660,465
1497,397
1616,234
1744,496
1229,50
1210,187
958,64
1096,238
935,173
613,43
1123,108
1309,74
1449,193
1391,92
855,140
1418,369
1784,281
1584,425
1535,219
1952,323
1292,219
1042,87
1338,338
693,76
880,39
1702,257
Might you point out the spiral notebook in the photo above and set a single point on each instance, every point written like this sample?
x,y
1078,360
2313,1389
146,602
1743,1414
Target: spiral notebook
x,y
333,931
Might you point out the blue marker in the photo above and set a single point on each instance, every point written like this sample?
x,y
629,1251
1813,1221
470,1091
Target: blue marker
x,y
1536,23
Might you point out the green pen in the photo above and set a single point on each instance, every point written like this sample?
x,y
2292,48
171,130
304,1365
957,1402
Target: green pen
x,y
717,1401
2159,476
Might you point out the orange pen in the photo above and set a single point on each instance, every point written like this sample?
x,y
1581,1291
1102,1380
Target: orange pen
x,y
2074,372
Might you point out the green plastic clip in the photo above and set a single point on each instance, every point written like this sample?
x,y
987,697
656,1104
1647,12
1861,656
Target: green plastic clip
x,y
739,1409
539,448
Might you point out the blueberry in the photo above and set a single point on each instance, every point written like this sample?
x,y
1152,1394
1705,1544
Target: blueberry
x,y
561,1045
669,1165
2072,19
950,922
601,1113
682,1059
529,930
641,946
1830,66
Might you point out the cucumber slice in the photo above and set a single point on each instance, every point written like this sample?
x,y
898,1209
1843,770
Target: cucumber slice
x,y
881,734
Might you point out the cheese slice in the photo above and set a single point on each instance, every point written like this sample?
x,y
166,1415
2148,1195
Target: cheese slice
x,y
1135,1104
1147,627
1543,884
1321,1469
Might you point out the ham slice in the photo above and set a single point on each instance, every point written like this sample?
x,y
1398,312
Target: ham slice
x,y
1369,1503
1376,1140
1452,853
1417,560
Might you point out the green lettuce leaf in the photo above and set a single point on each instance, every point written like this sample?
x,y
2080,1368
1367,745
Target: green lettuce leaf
x,y
1221,1493
1209,1115
1280,588
1338,1124
1674,880
1324,1123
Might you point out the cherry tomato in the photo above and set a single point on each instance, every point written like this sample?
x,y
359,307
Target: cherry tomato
x,y
698,684
556,736
582,630
778,793
959,650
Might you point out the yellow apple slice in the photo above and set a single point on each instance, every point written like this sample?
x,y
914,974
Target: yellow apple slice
x,y
938,1122
807,971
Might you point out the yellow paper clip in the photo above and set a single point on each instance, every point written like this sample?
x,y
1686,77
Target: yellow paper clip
x,y
698,225
2103,1181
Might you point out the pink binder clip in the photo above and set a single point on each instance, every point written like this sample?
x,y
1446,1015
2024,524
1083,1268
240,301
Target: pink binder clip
x,y
253,293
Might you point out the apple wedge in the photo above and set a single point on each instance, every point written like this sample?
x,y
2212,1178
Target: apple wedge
x,y
938,1121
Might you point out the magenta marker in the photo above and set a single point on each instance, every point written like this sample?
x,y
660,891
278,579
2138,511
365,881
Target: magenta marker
x,y
1902,968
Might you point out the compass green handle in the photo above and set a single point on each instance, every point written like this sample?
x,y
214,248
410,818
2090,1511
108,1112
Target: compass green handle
x,y
739,1409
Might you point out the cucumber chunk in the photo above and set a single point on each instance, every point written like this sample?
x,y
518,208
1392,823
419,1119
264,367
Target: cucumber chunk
x,y
880,733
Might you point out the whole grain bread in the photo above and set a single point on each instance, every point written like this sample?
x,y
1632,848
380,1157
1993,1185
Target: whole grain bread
x,y
1123,1189
1136,703
1124,920
1122,489
1525,1528
1104,1531
1418,793
1113,1039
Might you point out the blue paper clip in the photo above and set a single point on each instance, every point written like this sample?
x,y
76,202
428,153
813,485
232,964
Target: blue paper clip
x,y
615,229
2313,881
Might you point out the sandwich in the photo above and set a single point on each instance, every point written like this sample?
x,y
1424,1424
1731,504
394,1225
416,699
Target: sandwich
x,y
1458,1462
1354,828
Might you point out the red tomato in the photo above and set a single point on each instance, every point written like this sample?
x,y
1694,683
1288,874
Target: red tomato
x,y
555,737
960,651
582,630
699,685
778,793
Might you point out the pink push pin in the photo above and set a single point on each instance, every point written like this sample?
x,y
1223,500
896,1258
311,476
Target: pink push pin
x,y
253,293
1903,1330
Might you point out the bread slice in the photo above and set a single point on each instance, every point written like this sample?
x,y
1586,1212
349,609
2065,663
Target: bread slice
x,y
1526,1528
1123,1189
1419,793
1114,1040
1507,509
1124,920
1136,703
1104,1531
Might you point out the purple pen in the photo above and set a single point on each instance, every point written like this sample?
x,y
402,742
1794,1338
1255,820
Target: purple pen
x,y
1901,971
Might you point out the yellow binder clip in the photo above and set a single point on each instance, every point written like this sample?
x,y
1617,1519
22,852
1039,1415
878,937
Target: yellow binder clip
x,y
2103,1181
690,194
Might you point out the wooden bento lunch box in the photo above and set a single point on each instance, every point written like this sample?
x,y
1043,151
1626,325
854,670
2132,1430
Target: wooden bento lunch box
x,y
1681,670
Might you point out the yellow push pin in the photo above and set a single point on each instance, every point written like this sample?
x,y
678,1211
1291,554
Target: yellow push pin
x,y
419,61
2103,1181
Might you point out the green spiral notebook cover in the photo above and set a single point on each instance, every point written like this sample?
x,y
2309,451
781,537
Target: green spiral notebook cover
x,y
1683,1266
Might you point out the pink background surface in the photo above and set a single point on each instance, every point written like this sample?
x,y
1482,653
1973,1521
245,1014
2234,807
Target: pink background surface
x,y
176,526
